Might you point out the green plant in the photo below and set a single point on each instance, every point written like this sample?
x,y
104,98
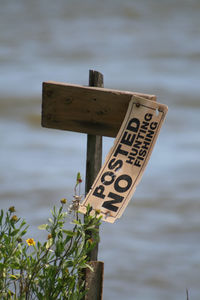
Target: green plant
x,y
48,270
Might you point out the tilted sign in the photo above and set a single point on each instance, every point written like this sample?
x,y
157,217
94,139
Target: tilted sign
x,y
98,111
127,159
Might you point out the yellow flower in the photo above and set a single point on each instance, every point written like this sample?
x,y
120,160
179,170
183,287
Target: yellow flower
x,y
63,201
12,209
14,218
30,242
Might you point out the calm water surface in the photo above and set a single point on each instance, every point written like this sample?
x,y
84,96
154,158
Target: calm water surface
x,y
153,251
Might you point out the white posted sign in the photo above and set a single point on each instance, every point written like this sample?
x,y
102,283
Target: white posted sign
x,y
127,159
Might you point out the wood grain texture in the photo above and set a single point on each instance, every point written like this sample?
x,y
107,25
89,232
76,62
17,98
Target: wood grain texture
x,y
94,153
83,109
94,281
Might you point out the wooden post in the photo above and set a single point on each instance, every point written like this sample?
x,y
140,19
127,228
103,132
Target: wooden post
x,y
94,142
94,151
94,280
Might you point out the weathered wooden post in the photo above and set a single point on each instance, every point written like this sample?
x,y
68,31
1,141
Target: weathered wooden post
x,y
94,151
94,142
94,280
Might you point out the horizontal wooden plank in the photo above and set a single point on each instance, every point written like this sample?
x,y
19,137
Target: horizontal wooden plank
x,y
85,109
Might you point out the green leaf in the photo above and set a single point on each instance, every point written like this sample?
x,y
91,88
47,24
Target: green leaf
x,y
23,232
1,217
77,222
22,224
14,232
38,244
69,264
10,293
14,277
50,220
69,232
43,226
59,248
85,265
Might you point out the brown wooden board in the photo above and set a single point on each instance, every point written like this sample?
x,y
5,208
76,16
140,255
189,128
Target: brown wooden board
x,y
83,109
126,161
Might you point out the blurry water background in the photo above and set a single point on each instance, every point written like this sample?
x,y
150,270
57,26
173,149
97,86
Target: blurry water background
x,y
153,251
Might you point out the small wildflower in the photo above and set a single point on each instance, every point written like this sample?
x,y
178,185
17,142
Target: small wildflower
x,y
14,218
12,209
49,236
63,200
19,240
30,242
